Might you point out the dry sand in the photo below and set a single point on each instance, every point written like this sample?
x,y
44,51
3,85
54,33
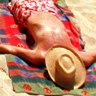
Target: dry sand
x,y
85,12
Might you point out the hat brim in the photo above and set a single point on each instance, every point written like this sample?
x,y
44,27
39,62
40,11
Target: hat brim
x,y
50,60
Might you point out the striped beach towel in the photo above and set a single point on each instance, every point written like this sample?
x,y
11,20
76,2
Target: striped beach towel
x,y
30,79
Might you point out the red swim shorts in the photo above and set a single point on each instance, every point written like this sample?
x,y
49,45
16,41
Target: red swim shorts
x,y
22,9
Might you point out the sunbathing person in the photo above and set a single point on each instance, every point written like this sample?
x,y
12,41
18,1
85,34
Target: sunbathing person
x,y
42,21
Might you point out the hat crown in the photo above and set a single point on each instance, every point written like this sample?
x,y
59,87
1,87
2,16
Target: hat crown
x,y
66,66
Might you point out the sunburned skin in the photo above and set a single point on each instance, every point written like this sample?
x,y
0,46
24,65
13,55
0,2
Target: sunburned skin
x,y
47,31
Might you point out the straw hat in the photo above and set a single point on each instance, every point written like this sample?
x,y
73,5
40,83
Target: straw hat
x,y
65,67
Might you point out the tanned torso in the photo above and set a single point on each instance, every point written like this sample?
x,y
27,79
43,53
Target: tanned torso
x,y
47,31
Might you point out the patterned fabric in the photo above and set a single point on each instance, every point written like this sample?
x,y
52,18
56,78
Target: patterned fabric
x,y
28,78
25,8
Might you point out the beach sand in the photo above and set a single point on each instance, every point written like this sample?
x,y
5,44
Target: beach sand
x,y
85,12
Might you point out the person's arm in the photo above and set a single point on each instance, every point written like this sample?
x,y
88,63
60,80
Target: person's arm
x,y
26,54
88,57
